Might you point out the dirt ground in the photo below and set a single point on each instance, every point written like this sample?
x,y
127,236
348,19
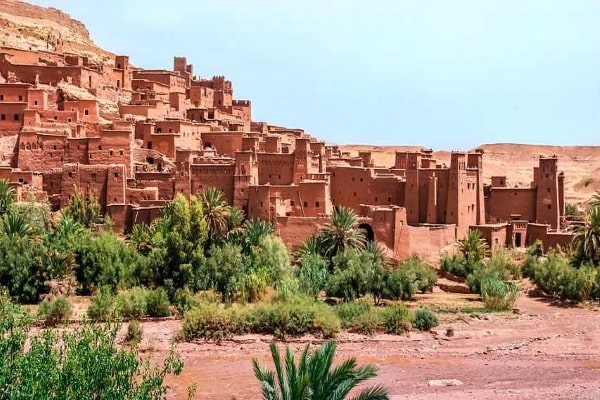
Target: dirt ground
x,y
546,351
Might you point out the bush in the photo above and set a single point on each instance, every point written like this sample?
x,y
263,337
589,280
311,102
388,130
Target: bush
x,y
210,321
557,277
102,306
312,274
294,317
134,332
186,300
132,303
396,319
424,320
498,295
457,266
499,266
423,274
400,285
158,304
55,311
359,316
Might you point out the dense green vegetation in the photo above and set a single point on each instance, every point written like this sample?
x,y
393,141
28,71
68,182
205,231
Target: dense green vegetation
x,y
80,363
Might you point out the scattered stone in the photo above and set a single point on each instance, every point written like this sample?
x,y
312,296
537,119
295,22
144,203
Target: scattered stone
x,y
444,382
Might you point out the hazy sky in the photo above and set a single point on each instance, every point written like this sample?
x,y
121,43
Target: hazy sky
x,y
444,74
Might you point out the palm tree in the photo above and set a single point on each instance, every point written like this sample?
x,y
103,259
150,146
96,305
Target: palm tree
x,y
253,231
595,200
342,233
15,226
235,220
587,237
314,377
310,246
6,196
215,211
473,247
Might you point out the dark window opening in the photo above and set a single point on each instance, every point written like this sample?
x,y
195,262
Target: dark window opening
x,y
1,97
54,147
3,117
548,190
150,145
317,204
375,198
118,84
99,147
368,229
86,111
55,117
70,174
292,203
110,152
20,98
549,206
94,177
116,174
121,152
389,199
306,204
16,117
354,194
518,239
21,180
150,160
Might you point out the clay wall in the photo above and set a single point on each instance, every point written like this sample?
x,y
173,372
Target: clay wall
x,y
220,176
424,241
353,186
11,116
276,169
87,110
14,92
294,230
202,96
176,83
52,181
243,108
40,152
138,195
495,235
30,178
503,202
112,147
547,203
156,111
226,143
37,99
163,181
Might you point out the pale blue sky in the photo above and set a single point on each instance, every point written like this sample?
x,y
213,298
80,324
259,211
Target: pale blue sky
x,y
443,74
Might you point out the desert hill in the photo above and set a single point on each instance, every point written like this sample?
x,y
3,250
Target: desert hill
x,y
581,164
25,26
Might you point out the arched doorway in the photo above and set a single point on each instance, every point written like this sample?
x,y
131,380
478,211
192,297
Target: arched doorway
x,y
370,235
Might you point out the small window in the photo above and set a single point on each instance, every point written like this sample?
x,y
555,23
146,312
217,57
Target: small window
x,y
548,190
54,147
306,204
55,117
70,174
292,203
354,194
375,198
35,103
317,204
86,111
69,120
94,177
2,117
16,117
1,97
21,180
361,179
110,152
99,147
121,152
116,174
20,98
352,179
389,199
549,206
261,203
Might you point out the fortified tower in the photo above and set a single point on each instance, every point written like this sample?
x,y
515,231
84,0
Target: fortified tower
x,y
413,162
547,205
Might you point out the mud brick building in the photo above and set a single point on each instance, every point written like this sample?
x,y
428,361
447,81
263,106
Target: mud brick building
x,y
169,132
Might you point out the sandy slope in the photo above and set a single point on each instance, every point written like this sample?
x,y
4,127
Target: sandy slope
x,y
581,164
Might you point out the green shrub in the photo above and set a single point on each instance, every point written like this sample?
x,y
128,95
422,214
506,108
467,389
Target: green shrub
x,y
102,307
157,302
424,320
367,323
312,274
293,317
557,277
134,332
498,266
401,284
498,295
396,319
132,303
424,275
185,299
55,311
210,321
287,288
350,312
456,265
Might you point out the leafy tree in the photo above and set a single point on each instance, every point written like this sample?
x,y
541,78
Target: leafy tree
x,y
83,209
341,233
15,226
253,232
314,377
222,270
312,274
587,238
352,276
141,238
235,221
22,268
310,247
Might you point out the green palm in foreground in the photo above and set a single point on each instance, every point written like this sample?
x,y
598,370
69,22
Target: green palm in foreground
x,y
314,377
587,237
342,233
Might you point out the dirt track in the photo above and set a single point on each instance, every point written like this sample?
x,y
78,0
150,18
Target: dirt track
x,y
546,352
